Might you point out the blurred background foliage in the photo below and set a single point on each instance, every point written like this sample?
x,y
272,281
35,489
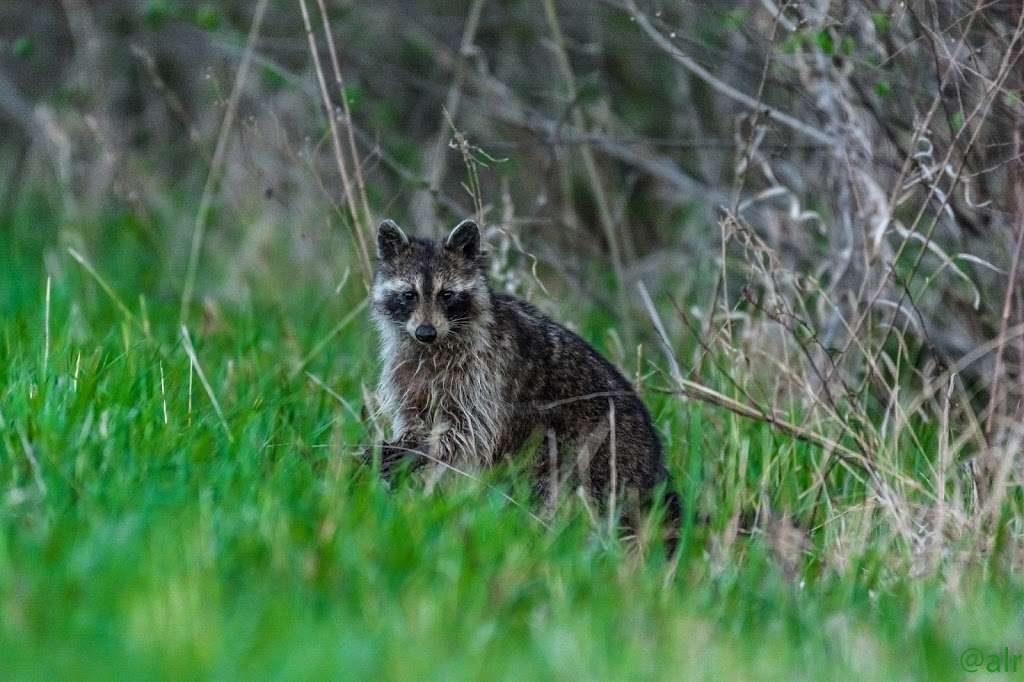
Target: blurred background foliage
x,y
119,102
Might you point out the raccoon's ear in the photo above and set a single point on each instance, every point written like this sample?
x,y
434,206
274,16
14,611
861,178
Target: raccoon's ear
x,y
390,240
465,239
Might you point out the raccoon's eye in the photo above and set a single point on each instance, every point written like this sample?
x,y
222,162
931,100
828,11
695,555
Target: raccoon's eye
x,y
446,295
409,295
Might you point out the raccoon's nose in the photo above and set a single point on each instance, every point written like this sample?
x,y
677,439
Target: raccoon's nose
x,y
426,333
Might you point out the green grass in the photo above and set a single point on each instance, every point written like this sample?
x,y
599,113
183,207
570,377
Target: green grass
x,y
142,537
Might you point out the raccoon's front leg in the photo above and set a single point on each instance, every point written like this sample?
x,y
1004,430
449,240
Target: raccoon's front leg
x,y
465,440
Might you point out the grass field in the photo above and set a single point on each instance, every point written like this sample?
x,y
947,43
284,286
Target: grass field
x,y
147,532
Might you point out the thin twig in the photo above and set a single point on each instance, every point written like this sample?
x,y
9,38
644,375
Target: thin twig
x,y
339,154
729,91
692,389
217,164
109,290
334,394
1012,287
666,346
353,150
593,177
614,477
322,343
436,166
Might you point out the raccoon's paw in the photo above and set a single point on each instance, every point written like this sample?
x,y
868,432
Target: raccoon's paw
x,y
367,457
395,457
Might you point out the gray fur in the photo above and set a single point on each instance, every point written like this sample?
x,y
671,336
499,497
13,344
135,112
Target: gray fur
x,y
499,372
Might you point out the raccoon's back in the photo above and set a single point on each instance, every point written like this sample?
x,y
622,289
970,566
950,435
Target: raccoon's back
x,y
551,362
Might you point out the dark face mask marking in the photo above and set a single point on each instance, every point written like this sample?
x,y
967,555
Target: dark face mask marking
x,y
400,307
458,307
431,270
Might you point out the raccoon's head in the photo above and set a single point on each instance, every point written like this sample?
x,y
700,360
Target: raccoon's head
x,y
435,292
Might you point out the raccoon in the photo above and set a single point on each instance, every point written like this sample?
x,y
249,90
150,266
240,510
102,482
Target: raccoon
x,y
470,376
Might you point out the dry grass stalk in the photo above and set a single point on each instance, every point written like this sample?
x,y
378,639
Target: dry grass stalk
x,y
217,163
339,154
